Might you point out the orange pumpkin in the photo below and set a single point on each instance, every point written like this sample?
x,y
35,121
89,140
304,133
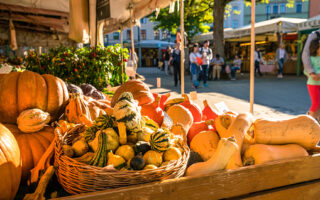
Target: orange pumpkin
x,y
153,111
193,108
32,146
139,90
26,90
10,164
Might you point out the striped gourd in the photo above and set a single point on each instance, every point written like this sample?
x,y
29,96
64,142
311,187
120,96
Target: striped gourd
x,y
127,110
150,123
160,140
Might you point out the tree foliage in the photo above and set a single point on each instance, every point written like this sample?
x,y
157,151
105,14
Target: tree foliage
x,y
197,17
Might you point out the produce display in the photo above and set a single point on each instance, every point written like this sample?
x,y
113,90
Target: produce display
x,y
136,137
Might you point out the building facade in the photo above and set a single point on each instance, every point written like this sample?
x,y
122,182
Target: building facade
x,y
314,8
277,8
235,18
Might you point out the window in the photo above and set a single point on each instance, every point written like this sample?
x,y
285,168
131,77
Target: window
x,y
299,7
283,8
164,34
275,9
156,35
235,23
268,9
235,8
143,20
116,35
143,35
128,34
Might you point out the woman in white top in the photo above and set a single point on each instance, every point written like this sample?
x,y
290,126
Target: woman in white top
x,y
281,57
195,65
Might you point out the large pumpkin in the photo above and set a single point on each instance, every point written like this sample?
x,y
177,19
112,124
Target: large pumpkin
x,y
139,90
25,90
32,146
10,164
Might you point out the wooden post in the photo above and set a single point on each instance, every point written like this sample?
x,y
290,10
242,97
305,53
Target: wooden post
x,y
121,38
252,69
182,45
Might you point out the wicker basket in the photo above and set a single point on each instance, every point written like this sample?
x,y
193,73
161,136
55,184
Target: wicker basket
x,y
76,177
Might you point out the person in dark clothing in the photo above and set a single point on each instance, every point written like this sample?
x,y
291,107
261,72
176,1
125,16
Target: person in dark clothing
x,y
167,56
257,61
176,64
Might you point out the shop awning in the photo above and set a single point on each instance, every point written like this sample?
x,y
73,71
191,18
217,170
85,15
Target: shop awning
x,y
269,27
312,23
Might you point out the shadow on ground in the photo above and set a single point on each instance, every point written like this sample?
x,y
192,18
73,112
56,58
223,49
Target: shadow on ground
x,y
288,95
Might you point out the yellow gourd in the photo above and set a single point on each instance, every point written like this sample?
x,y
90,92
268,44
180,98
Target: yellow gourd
x,y
153,158
150,167
115,160
219,160
172,153
126,152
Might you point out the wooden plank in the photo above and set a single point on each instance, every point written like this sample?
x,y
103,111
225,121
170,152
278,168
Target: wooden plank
x,y
16,8
223,184
307,190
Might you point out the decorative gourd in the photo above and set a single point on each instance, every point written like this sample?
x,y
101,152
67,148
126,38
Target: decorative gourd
x,y
127,110
262,153
150,123
160,140
192,107
208,112
302,130
138,89
153,158
32,120
10,164
150,167
238,129
179,131
100,156
80,147
218,161
172,153
126,152
32,146
205,144
76,108
145,134
20,91
122,133
117,161
112,139
137,162
172,102
142,147
153,111
180,114
222,123
197,127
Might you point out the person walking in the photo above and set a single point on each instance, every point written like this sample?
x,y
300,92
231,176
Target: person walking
x,y
306,52
217,65
206,55
281,58
313,82
167,56
257,61
236,66
176,64
194,58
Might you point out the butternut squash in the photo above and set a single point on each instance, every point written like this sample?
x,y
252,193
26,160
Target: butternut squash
x,y
302,130
219,160
238,129
223,122
262,153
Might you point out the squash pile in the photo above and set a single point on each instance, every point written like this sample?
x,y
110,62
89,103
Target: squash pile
x,y
124,140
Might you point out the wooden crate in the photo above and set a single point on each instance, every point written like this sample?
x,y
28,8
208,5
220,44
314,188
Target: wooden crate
x,y
291,179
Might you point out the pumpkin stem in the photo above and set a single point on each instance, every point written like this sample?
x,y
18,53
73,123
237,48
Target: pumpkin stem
x,y
185,96
205,103
209,122
248,161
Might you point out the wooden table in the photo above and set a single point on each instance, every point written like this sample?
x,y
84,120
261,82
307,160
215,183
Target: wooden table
x,y
290,179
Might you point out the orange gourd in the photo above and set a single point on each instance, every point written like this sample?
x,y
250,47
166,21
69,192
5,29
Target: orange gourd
x,y
76,108
193,108
197,127
208,112
32,146
139,90
181,115
10,164
153,111
20,91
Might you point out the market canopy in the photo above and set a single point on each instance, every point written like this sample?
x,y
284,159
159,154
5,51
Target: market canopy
x,y
281,25
312,23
